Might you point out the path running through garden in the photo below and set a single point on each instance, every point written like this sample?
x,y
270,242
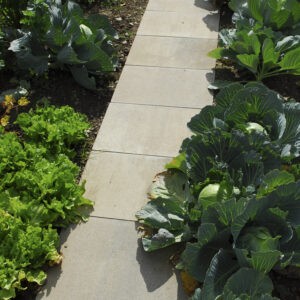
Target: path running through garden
x,y
163,84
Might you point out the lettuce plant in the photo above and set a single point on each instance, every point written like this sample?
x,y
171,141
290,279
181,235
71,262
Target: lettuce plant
x,y
65,39
227,196
57,129
261,51
24,249
38,192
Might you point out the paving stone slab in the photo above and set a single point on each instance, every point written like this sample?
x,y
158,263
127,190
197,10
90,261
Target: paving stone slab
x,y
142,129
180,5
118,183
196,24
180,88
104,261
186,53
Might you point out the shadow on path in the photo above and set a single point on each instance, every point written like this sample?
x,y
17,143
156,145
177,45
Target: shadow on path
x,y
157,269
205,5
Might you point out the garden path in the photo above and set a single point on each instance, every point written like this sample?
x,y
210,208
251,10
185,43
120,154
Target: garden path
x,y
163,84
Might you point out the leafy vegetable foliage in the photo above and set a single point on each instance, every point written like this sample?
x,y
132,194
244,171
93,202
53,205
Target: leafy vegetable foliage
x,y
276,14
229,197
58,35
261,51
38,191
11,12
58,130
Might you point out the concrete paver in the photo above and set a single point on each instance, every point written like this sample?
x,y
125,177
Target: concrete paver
x,y
172,52
180,5
178,24
118,183
104,261
141,129
164,86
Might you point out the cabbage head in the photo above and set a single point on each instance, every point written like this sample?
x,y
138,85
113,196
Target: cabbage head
x,y
259,239
251,126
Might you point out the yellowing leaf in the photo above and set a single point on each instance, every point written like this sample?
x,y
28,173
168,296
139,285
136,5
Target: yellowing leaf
x,y
9,101
4,121
189,283
23,101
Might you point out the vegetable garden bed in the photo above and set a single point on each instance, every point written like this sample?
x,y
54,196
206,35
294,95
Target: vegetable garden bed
x,y
44,143
231,196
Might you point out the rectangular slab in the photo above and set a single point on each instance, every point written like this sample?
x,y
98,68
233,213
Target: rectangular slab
x,y
118,183
104,261
164,86
196,24
180,5
141,129
186,53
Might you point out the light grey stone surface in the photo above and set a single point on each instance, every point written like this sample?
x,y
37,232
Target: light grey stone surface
x,y
104,261
180,5
164,86
165,82
118,183
141,129
194,24
173,52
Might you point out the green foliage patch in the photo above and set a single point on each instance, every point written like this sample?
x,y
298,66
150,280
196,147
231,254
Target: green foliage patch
x,y
261,51
276,14
38,192
11,12
229,196
58,35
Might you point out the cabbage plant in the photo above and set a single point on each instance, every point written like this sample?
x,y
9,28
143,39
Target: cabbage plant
x,y
261,51
228,195
276,14
57,35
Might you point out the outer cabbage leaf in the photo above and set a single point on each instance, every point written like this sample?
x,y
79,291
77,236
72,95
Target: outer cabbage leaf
x,y
222,266
248,284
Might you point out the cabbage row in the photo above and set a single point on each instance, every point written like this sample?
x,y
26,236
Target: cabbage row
x,y
38,194
232,195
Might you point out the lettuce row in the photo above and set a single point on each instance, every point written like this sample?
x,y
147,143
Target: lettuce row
x,y
38,193
229,194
